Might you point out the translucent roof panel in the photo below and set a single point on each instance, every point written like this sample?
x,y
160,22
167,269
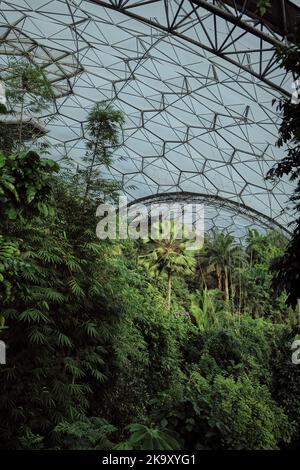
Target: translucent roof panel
x,y
195,80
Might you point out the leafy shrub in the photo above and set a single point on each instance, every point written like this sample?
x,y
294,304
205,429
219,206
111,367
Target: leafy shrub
x,y
86,434
148,438
225,413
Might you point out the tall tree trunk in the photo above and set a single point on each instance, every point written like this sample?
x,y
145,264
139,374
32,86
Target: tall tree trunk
x,y
90,172
169,291
240,293
202,276
232,292
21,119
219,277
226,285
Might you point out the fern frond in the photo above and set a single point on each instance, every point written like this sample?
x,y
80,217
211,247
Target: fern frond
x,y
75,288
32,315
64,340
36,336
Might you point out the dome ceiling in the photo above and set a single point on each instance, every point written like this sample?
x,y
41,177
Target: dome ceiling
x,y
195,80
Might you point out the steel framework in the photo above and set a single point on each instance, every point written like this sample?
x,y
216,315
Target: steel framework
x,y
195,79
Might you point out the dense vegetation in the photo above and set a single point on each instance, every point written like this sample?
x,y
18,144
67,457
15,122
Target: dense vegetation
x,y
129,345
287,268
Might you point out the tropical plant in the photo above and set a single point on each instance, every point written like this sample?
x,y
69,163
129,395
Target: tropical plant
x,y
263,6
223,255
264,248
91,348
143,437
206,307
167,253
287,268
87,434
25,185
28,90
102,134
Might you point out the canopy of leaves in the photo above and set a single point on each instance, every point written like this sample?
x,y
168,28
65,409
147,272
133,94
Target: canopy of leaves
x,y
95,357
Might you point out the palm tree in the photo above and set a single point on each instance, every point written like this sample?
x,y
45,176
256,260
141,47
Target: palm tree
x,y
206,307
255,244
264,248
223,255
167,254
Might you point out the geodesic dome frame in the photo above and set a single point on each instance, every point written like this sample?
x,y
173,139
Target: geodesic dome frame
x,y
195,80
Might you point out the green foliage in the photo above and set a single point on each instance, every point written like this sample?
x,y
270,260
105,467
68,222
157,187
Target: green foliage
x,y
241,273
27,86
25,192
25,185
31,441
89,335
286,273
28,92
263,6
102,129
87,434
239,413
53,306
8,252
207,308
286,269
286,380
226,401
145,350
263,249
167,253
148,438
95,360
223,255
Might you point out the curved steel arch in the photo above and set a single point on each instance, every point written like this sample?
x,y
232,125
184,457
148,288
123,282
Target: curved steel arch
x,y
194,78
240,18
215,201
